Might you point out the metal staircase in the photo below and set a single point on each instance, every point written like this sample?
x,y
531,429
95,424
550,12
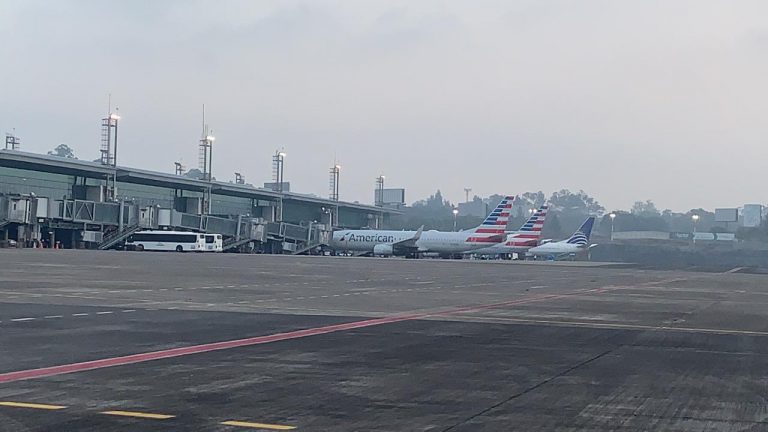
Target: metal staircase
x,y
115,238
307,247
235,243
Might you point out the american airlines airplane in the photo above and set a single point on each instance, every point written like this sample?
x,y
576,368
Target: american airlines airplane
x,y
389,242
526,237
578,242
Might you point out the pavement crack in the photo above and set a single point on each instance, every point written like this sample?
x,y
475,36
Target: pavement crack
x,y
530,389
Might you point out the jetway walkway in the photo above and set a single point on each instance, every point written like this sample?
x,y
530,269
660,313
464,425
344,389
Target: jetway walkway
x,y
118,220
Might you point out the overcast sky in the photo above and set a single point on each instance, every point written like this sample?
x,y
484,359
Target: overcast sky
x,y
628,100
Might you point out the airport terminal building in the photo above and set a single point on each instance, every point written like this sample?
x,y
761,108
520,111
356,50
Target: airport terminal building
x,y
50,200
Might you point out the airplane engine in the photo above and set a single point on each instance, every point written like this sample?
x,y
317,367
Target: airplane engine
x,y
383,250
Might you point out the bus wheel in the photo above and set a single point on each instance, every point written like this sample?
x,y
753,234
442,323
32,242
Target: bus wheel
x,y
179,248
139,248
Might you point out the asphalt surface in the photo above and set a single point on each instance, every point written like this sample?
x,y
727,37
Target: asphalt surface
x,y
128,341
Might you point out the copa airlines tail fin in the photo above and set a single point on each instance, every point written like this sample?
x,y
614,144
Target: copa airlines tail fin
x,y
581,236
530,233
493,227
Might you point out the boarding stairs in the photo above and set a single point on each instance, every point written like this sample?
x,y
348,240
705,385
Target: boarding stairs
x,y
236,243
305,248
113,239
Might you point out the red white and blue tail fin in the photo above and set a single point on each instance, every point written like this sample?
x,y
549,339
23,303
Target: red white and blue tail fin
x,y
530,233
493,227
496,221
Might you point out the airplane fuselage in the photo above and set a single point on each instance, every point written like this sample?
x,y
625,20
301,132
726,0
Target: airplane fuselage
x,y
556,248
429,241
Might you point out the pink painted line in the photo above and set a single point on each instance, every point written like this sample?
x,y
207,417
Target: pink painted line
x,y
258,340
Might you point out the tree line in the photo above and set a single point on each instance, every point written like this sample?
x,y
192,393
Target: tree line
x,y
567,210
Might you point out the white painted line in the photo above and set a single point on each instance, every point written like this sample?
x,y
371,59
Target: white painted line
x,y
178,289
114,291
231,286
128,310
80,314
325,296
299,298
53,316
337,295
163,289
22,319
104,313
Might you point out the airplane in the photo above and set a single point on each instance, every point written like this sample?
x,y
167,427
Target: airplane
x,y
390,242
576,243
526,237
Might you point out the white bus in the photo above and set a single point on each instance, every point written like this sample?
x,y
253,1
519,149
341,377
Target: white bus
x,y
214,243
178,241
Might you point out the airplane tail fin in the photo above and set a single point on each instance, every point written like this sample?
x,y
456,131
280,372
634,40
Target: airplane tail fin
x,y
536,221
493,228
581,236
496,221
530,233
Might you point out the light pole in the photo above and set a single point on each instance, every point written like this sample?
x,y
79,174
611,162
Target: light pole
x,y
695,220
379,198
455,213
114,117
282,169
334,183
209,139
278,168
613,217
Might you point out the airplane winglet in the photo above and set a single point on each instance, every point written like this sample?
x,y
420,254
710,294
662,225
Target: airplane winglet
x,y
418,233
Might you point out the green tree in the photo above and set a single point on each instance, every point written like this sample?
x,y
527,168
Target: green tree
x,y
194,173
552,228
537,199
645,208
63,150
580,203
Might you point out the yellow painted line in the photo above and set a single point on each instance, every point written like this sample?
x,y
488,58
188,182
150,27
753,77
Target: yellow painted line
x,y
139,415
32,405
258,425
